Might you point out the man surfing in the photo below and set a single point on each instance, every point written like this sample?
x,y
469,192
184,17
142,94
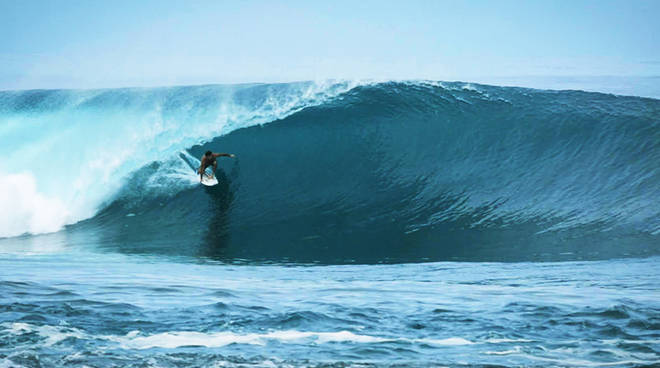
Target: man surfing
x,y
209,159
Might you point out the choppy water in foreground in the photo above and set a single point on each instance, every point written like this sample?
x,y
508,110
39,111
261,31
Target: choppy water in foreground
x,y
121,311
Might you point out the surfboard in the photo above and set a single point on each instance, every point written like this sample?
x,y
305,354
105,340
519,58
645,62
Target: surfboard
x,y
209,181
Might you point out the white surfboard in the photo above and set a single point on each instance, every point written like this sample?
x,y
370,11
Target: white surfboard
x,y
209,180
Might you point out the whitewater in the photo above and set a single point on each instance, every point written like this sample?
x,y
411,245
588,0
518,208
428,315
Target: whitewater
x,y
414,223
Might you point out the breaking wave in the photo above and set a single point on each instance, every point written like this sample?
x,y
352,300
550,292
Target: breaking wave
x,y
341,172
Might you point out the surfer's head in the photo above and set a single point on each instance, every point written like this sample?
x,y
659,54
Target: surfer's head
x,y
208,154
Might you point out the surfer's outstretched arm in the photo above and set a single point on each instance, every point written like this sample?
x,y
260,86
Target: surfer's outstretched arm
x,y
223,155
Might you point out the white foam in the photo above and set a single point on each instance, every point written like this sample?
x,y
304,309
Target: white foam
x,y
175,339
25,209
452,341
6,363
172,340
516,350
501,341
18,327
52,334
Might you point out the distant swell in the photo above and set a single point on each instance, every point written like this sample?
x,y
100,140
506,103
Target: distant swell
x,y
407,172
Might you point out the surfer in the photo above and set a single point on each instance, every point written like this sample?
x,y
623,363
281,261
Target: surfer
x,y
209,159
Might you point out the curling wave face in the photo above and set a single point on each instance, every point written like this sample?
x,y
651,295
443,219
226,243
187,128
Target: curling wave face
x,y
390,172
66,152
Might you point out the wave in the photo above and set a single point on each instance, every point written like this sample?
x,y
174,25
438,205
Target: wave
x,y
368,173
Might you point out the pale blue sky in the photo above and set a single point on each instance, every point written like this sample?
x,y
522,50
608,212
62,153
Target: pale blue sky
x,y
89,44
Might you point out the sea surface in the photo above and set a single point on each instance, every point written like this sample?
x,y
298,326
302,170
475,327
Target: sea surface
x,y
361,224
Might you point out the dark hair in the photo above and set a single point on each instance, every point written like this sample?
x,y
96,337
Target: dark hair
x,y
208,153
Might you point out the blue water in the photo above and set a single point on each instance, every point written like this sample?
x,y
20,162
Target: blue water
x,y
390,224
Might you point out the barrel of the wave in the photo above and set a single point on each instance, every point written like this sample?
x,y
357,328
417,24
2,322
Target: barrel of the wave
x,y
81,147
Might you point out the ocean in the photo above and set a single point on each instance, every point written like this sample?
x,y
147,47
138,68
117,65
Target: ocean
x,y
361,224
